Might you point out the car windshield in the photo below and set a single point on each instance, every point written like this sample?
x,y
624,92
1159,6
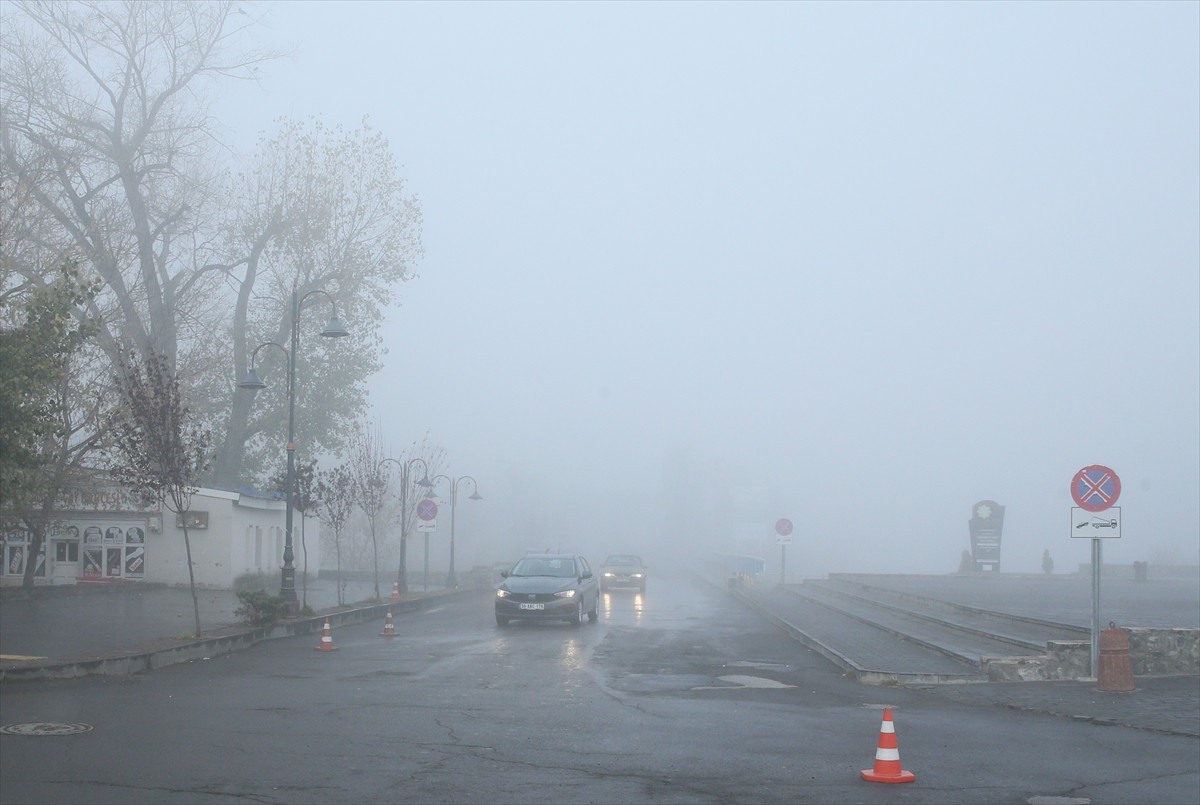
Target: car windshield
x,y
544,566
623,559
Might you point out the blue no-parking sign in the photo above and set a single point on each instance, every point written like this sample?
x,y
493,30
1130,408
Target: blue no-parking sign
x,y
1095,488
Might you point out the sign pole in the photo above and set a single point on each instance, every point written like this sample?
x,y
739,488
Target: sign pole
x,y
1097,564
783,535
1096,488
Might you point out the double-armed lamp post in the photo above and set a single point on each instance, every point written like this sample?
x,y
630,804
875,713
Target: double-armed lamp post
x,y
405,466
451,579
334,329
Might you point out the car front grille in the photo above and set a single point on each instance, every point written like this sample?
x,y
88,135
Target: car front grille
x,y
533,597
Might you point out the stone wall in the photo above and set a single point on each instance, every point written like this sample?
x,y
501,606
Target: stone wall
x,y
1164,652
1152,652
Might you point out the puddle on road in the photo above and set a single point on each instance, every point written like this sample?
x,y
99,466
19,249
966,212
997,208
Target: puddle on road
x,y
739,681
761,666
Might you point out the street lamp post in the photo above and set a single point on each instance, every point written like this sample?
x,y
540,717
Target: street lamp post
x,y
334,329
402,572
451,579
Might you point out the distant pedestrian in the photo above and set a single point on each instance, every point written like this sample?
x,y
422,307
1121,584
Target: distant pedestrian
x,y
966,564
1047,562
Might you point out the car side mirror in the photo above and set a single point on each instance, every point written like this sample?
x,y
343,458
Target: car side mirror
x,y
587,574
504,574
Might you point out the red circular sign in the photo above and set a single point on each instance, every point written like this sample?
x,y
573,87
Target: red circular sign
x,y
1095,488
427,510
783,526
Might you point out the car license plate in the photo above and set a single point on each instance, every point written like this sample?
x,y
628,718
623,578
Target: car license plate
x,y
533,606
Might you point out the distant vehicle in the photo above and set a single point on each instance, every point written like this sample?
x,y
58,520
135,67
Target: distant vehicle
x,y
548,586
623,570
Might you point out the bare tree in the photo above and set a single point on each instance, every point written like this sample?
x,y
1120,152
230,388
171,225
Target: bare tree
x,y
159,452
370,483
335,489
105,96
428,458
107,143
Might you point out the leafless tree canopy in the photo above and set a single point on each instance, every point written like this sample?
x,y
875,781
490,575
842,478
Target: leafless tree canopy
x,y
110,155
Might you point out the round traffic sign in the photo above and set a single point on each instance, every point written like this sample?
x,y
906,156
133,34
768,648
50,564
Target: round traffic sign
x,y
1095,488
783,526
427,509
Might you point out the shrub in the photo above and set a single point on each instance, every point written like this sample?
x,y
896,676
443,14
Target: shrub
x,y
260,608
255,581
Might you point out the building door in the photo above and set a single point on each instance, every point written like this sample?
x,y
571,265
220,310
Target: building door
x,y
66,560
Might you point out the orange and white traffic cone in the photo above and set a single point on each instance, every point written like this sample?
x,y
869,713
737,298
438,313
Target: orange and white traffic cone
x,y
389,628
395,591
887,757
327,639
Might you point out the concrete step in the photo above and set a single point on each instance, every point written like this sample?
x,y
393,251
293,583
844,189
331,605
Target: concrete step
x,y
872,653
965,647
1020,631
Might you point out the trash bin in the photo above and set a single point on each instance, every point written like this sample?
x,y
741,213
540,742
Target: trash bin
x,y
1139,571
1115,673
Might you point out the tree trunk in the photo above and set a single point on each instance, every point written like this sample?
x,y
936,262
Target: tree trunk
x,y
187,544
375,550
227,465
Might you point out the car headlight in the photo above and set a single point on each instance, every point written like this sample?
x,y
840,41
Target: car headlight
x,y
565,594
607,575
503,593
637,575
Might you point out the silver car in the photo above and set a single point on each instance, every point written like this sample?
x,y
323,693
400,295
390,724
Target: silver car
x,y
548,586
623,570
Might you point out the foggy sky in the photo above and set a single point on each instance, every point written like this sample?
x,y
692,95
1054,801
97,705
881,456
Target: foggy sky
x,y
860,265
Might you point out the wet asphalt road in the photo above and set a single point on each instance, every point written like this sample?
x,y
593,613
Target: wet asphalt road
x,y
678,696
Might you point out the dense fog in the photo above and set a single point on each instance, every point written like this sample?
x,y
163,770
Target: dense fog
x,y
692,268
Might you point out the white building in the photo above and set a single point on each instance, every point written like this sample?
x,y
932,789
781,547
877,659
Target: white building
x,y
106,537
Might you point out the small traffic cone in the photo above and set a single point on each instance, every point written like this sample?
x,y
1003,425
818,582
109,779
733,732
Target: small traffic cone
x,y
395,591
887,756
389,628
327,639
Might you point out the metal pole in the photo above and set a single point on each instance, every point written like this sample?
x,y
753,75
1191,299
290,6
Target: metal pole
x,y
287,586
425,581
782,563
402,573
451,581
1097,563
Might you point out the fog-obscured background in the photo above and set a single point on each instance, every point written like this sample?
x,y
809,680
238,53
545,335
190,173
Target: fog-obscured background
x,y
690,268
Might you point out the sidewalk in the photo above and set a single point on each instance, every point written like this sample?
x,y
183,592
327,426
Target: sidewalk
x,y
69,631
1159,704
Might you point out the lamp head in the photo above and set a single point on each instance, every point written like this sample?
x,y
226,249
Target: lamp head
x,y
335,328
252,381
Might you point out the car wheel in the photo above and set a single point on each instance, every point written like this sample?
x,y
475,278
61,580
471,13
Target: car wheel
x,y
501,620
577,618
594,614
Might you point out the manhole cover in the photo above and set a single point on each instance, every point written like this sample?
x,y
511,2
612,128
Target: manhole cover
x,y
45,728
